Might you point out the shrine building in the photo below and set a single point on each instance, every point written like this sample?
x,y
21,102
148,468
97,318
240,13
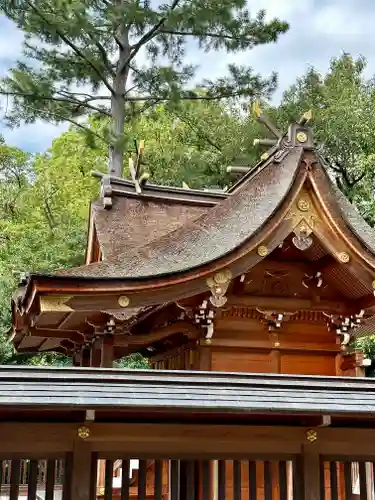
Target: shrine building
x,y
247,304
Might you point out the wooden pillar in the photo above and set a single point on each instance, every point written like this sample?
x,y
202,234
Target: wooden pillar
x,y
76,358
96,353
205,357
107,352
276,361
85,356
82,477
311,472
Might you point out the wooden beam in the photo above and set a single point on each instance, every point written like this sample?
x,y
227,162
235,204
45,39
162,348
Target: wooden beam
x,y
189,329
284,304
73,335
285,345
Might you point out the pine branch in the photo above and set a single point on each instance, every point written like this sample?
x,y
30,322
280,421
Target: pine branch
x,y
210,35
103,54
71,45
193,97
148,36
64,100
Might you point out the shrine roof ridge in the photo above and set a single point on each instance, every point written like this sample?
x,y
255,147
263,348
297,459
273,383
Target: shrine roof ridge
x,y
150,190
194,391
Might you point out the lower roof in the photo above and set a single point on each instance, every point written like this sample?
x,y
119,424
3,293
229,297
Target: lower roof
x,y
205,392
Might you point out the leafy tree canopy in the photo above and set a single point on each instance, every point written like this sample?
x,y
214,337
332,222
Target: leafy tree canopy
x,y
343,105
88,56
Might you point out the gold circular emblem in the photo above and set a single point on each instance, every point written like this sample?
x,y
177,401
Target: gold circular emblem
x,y
223,277
262,251
373,284
124,301
83,432
301,137
303,204
343,257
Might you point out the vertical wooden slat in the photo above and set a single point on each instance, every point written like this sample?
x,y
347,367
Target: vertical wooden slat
x,y
142,472
1,474
221,479
298,483
362,481
183,485
252,480
282,480
348,480
15,479
236,480
267,481
205,480
125,483
67,472
108,480
174,479
50,479
190,480
333,480
93,476
33,479
158,485
322,478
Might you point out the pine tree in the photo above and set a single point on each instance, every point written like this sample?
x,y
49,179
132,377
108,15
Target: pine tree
x,y
85,57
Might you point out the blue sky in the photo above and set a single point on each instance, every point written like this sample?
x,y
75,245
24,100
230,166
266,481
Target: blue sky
x,y
320,30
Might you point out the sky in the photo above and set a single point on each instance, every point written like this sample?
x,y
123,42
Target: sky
x,y
319,30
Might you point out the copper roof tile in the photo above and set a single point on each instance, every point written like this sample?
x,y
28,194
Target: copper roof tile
x,y
214,234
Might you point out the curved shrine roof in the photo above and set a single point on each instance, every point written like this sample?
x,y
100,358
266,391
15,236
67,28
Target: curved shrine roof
x,y
173,231
217,232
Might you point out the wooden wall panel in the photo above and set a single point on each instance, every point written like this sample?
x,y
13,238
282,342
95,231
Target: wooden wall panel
x,y
239,361
308,364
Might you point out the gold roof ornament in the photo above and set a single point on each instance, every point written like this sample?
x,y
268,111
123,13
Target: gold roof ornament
x,y
256,109
306,117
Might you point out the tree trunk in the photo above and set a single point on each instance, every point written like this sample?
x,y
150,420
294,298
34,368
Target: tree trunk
x,y
116,154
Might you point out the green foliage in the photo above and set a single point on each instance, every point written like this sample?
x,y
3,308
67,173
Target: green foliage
x,y
87,56
132,362
367,345
343,108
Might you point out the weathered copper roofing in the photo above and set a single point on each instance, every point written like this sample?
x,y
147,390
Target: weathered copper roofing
x,y
215,233
134,222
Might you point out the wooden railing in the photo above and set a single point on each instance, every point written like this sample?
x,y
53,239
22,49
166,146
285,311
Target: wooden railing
x,y
205,479
27,467
126,461
32,478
